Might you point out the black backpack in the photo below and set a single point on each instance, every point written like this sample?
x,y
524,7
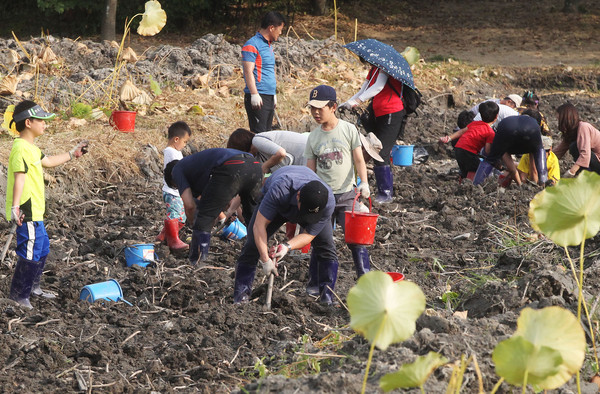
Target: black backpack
x,y
411,99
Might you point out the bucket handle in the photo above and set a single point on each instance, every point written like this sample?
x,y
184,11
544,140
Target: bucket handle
x,y
354,203
111,120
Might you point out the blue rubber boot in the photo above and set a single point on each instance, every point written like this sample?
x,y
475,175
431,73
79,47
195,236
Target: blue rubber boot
x,y
22,281
312,288
483,171
385,184
242,288
36,290
541,166
199,246
328,270
360,256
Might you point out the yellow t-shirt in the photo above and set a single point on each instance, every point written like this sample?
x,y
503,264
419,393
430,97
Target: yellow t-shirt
x,y
551,163
27,158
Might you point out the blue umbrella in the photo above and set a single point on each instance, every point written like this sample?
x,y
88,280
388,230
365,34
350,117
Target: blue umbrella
x,y
385,57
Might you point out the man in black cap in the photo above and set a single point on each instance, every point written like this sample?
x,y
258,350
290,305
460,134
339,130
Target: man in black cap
x,y
292,194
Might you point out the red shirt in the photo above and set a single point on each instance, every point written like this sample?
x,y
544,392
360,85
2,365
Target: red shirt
x,y
477,135
386,101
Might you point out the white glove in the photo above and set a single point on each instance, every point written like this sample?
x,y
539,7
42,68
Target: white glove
x,y
15,215
568,174
256,101
349,104
274,101
363,189
282,250
269,267
79,150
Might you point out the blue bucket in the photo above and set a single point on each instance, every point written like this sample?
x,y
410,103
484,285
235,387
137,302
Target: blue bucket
x,y
402,155
140,254
109,291
236,230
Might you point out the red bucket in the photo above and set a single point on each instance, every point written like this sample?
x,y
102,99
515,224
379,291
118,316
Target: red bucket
x,y
396,276
123,120
290,232
360,227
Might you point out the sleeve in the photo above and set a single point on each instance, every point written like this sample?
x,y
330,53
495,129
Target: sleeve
x,y
362,89
308,151
490,136
268,205
583,145
17,163
249,53
265,146
524,164
354,137
375,87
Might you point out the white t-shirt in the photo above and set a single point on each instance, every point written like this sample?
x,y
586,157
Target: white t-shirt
x,y
170,154
504,112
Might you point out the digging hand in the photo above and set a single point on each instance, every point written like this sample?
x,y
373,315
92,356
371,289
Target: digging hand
x,y
269,267
363,189
282,250
445,139
79,150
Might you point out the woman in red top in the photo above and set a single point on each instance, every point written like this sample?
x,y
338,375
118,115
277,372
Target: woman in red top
x,y
580,138
389,113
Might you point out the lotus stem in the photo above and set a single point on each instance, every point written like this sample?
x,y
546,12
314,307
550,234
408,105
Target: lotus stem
x,y
335,19
497,386
364,386
524,391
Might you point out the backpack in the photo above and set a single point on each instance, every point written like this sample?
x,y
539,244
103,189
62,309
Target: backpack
x,y
411,99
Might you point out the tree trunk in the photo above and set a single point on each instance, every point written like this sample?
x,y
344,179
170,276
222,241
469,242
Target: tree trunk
x,y
109,19
319,7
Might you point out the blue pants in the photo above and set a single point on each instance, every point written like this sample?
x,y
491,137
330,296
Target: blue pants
x,y
32,241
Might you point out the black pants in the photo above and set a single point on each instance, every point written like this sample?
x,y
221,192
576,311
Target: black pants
x,y
387,129
594,163
241,174
467,161
260,119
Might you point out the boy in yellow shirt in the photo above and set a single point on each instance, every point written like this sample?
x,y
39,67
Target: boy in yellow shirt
x,y
25,199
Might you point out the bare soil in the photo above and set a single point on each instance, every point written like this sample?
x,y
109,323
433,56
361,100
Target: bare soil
x,y
182,332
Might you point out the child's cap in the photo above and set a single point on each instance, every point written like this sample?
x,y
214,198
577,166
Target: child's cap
x,y
321,95
372,145
546,142
36,112
516,99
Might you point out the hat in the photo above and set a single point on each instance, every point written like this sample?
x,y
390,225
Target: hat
x,y
321,95
516,99
313,199
372,145
36,112
546,142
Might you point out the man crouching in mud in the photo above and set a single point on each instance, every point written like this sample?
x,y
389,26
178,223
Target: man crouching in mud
x,y
292,194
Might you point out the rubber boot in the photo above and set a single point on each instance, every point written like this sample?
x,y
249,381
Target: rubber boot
x,y
483,171
161,237
199,247
541,166
327,277
36,290
242,288
360,255
385,184
22,281
312,288
172,235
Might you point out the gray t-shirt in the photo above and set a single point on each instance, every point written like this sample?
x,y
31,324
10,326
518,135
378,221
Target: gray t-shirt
x,y
270,142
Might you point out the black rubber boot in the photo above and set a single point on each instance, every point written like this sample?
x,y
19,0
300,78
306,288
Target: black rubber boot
x,y
385,184
242,288
312,288
36,290
22,281
327,278
199,246
360,255
541,165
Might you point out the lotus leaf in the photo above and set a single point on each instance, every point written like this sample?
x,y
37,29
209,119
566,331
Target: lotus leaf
x,y
153,19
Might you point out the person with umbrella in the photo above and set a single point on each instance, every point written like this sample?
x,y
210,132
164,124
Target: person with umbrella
x,y
388,75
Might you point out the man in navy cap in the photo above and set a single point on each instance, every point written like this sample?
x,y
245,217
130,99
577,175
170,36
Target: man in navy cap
x,y
292,194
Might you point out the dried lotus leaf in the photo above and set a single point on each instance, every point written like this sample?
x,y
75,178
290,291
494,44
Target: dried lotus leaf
x,y
129,55
142,99
8,85
154,19
129,91
48,55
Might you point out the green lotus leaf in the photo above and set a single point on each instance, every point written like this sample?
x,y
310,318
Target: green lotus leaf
x,y
548,330
154,19
569,210
414,374
516,357
377,302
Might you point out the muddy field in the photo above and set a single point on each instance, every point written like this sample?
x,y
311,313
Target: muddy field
x,y
470,249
